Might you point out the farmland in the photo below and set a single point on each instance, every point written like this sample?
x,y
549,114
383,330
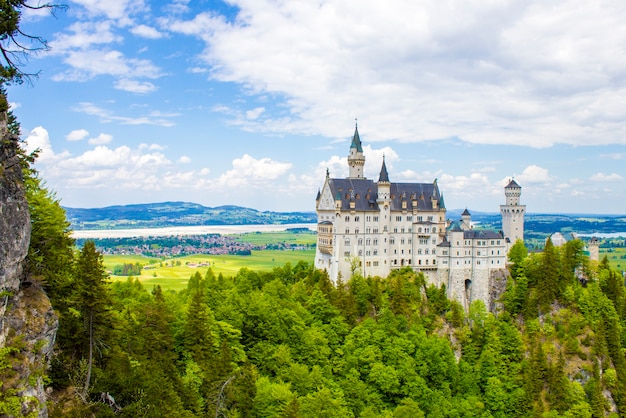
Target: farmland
x,y
174,272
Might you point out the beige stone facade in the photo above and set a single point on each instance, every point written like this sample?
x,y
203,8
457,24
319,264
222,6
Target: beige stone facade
x,y
373,227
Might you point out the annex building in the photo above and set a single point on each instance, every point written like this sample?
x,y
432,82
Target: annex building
x,y
375,227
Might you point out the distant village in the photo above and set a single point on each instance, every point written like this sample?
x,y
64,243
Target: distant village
x,y
182,245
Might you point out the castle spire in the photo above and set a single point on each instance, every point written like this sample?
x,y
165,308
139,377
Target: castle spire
x,y
384,175
356,159
356,139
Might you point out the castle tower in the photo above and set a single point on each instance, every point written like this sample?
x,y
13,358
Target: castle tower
x,y
466,219
594,249
356,159
513,213
384,185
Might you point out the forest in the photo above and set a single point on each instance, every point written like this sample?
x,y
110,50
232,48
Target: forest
x,y
289,343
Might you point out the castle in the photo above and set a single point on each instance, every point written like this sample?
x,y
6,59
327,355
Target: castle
x,y
375,227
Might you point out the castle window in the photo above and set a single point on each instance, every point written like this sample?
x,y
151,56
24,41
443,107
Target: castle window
x,y
375,252
347,219
430,219
360,253
410,240
399,218
346,254
419,251
426,262
434,262
375,218
375,263
356,230
419,219
419,262
347,241
376,230
368,230
356,219
368,218
360,241
395,230
368,241
434,230
347,230
368,253
426,251
409,218
419,230
402,241
392,241
375,241
402,230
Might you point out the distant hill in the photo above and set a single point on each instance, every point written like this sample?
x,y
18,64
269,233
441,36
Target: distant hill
x,y
165,214
157,215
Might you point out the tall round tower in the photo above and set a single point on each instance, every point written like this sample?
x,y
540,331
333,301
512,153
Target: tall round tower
x,y
594,249
513,213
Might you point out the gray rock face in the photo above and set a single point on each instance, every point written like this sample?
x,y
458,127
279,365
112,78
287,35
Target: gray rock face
x,y
497,287
27,320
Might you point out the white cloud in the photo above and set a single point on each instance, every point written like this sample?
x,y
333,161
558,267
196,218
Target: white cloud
x,y
533,174
184,160
152,118
529,73
255,113
77,135
101,139
146,32
113,9
135,86
38,139
601,177
84,35
248,170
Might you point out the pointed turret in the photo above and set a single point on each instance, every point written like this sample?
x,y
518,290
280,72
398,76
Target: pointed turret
x,y
356,159
356,140
384,175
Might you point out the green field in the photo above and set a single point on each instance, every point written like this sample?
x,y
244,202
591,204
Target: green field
x,y
616,256
174,273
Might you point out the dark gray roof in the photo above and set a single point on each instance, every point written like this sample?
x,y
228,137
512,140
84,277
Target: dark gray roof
x,y
364,193
444,243
512,185
466,213
482,234
384,175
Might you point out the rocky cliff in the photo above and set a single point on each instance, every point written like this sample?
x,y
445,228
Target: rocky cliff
x,y
27,322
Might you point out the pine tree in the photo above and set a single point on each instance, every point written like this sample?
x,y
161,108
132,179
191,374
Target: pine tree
x,y
93,301
549,285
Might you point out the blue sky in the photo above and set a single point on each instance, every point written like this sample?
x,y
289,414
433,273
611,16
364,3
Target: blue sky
x,y
248,102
